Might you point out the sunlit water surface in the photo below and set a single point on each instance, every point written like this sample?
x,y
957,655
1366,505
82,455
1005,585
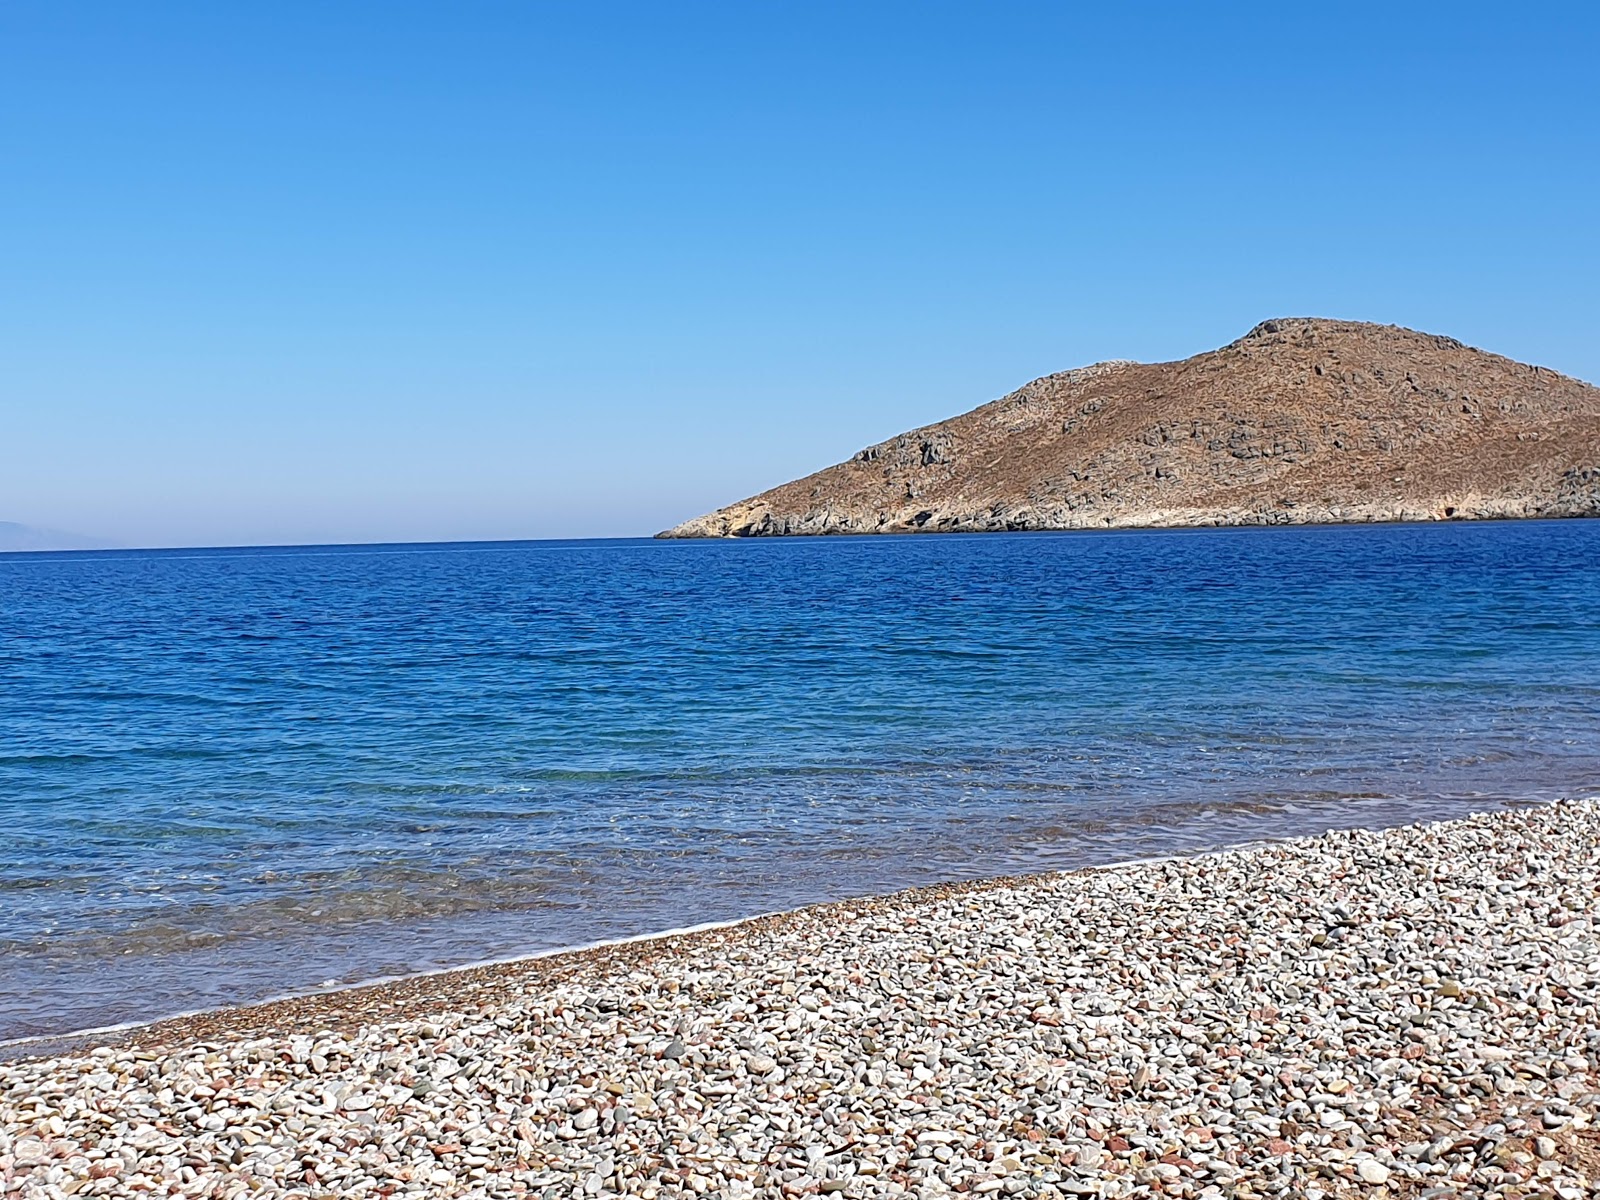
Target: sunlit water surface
x,y
230,774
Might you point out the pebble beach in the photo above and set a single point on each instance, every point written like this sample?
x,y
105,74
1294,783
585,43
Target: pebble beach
x,y
1408,1012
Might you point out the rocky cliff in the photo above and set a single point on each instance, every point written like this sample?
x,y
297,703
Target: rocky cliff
x,y
1301,420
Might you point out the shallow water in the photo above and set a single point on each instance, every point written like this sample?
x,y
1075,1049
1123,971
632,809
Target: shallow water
x,y
228,774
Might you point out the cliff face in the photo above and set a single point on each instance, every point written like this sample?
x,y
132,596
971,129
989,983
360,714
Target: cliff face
x,y
1301,420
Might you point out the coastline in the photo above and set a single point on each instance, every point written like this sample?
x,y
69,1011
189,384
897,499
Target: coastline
x,y
717,528
1361,1010
362,1000
398,994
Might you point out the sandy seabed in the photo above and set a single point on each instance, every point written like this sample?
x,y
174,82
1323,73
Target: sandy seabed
x,y
1411,1012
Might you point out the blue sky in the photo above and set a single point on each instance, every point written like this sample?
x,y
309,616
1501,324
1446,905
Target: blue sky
x,y
306,272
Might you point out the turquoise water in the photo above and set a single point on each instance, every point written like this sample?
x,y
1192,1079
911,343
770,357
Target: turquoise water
x,y
226,774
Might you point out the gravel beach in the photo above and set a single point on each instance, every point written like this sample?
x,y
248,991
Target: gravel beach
x,y
1410,1012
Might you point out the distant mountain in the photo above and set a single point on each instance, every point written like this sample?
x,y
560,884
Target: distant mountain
x,y
26,537
1302,420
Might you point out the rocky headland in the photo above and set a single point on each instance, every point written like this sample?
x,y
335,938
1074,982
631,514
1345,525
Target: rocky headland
x,y
1302,420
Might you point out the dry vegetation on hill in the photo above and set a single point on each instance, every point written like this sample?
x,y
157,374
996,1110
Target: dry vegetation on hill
x,y
1301,420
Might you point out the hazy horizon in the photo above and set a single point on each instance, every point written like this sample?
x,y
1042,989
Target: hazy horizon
x,y
304,276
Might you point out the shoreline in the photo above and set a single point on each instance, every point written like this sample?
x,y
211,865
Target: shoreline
x,y
298,1006
121,1030
1195,521
1411,1011
295,1009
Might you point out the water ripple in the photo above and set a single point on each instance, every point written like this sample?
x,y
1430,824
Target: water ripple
x,y
225,773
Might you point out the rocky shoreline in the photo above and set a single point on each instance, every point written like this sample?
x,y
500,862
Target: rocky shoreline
x,y
1577,495
1410,1012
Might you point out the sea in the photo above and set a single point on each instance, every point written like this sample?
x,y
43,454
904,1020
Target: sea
x,y
232,774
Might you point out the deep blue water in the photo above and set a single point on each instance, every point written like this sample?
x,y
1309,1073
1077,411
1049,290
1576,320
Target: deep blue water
x,y
227,774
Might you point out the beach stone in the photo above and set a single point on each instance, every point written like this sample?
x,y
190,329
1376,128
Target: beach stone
x,y
1370,1170
30,1152
1103,1033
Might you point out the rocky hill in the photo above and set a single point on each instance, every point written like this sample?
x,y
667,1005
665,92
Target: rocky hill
x,y
1301,420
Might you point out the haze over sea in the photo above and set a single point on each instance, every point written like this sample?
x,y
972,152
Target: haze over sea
x,y
228,774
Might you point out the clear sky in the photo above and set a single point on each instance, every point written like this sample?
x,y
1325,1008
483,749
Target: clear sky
x,y
286,272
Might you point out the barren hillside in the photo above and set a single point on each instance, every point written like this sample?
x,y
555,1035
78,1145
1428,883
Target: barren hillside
x,y
1301,420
